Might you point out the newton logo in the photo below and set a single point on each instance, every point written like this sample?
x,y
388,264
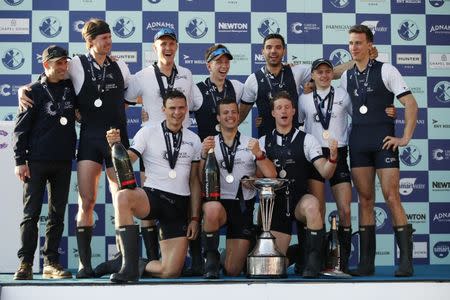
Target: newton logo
x,y
408,30
197,28
268,26
124,27
13,59
50,27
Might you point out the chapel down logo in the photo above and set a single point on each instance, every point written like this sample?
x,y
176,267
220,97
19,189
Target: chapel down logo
x,y
124,27
442,91
196,28
268,26
408,30
13,59
50,27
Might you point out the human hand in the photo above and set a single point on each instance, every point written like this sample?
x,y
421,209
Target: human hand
x,y
208,143
394,142
113,136
22,172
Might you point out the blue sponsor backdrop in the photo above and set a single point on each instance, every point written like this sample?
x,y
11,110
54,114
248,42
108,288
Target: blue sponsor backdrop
x,y
412,35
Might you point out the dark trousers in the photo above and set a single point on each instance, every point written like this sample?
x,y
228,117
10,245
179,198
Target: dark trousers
x,y
56,175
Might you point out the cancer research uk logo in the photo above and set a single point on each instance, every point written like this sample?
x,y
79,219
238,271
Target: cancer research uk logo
x,y
441,91
268,26
197,28
408,30
441,249
13,59
124,27
410,155
50,27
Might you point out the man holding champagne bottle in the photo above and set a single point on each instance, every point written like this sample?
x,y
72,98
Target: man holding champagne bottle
x,y
238,156
171,185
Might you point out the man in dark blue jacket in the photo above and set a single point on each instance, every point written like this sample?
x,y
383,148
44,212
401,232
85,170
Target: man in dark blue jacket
x,y
44,146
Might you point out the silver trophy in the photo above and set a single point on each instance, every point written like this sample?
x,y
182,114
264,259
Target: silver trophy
x,y
266,261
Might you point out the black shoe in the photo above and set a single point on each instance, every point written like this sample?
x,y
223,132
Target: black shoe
x,y
404,239
212,265
84,236
315,248
345,244
129,245
25,272
55,271
110,266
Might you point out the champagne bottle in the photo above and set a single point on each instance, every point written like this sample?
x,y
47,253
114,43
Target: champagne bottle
x,y
211,178
122,167
333,251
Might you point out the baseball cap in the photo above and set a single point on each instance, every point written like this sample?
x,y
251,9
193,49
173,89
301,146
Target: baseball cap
x,y
165,32
219,52
319,62
54,53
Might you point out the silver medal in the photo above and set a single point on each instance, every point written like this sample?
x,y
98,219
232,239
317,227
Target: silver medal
x,y
63,121
173,174
229,178
98,102
326,134
363,109
218,127
282,173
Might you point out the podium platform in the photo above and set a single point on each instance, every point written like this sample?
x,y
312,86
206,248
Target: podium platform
x,y
429,282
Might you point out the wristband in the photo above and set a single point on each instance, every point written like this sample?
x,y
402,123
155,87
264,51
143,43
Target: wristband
x,y
333,161
262,156
196,219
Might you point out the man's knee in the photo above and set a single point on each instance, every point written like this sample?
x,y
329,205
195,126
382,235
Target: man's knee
x,y
122,200
211,212
311,207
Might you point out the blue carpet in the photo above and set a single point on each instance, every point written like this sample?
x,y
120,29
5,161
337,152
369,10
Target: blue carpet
x,y
427,273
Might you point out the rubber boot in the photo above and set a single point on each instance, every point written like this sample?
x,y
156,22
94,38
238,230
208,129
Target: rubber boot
x,y
129,244
150,238
113,265
315,245
367,246
84,236
302,248
345,245
197,262
404,239
212,265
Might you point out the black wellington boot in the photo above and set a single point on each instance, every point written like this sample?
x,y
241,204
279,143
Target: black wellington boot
x,y
197,262
367,246
113,265
212,265
404,238
151,242
84,236
302,248
345,244
129,244
315,245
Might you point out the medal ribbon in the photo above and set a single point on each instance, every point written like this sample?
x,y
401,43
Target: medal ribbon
x,y
214,92
59,104
170,80
229,153
362,91
176,137
324,120
269,78
101,86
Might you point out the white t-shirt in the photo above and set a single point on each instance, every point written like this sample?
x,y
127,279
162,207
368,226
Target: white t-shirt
x,y
149,142
339,123
76,73
244,165
301,73
145,84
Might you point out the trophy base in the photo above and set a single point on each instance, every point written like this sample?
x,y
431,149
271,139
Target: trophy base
x,y
335,274
266,267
